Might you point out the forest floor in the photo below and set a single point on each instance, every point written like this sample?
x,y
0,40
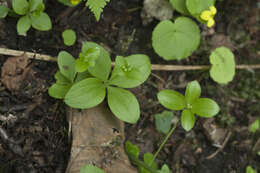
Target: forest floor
x,y
36,124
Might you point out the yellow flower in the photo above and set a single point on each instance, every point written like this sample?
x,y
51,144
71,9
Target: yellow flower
x,y
74,2
208,16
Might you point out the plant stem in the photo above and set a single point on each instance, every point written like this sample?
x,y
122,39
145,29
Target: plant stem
x,y
164,141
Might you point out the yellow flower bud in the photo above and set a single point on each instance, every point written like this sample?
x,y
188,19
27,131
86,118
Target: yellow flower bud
x,y
210,22
213,10
205,15
74,2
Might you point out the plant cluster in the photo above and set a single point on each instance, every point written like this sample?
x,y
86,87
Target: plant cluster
x,y
85,82
30,13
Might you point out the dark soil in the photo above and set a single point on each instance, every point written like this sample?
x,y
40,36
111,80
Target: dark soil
x,y
36,123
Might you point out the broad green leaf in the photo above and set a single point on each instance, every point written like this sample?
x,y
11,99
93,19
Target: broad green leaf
x,y
130,71
148,157
41,22
192,92
249,169
69,37
187,120
254,126
23,25
165,169
163,121
58,91
86,94
66,63
180,6
123,104
21,7
60,79
131,150
176,40
196,7
223,65
82,76
102,66
205,107
171,99
3,11
80,65
34,4
90,169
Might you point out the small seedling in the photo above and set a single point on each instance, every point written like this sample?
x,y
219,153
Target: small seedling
x,y
31,14
90,169
190,104
163,121
84,83
69,37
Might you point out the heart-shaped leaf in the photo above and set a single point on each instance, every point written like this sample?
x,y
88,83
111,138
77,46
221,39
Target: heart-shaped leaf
x,y
123,104
187,120
86,94
171,99
205,107
176,40
163,121
130,71
180,6
223,65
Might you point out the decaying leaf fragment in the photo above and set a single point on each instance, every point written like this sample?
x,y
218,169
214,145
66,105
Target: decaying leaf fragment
x,y
97,138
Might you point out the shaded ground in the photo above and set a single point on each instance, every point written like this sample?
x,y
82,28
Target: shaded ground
x,y
37,123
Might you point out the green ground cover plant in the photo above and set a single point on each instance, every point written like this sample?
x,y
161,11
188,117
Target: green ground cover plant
x,y
69,37
85,82
30,13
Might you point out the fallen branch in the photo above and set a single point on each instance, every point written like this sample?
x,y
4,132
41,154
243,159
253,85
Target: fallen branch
x,y
155,67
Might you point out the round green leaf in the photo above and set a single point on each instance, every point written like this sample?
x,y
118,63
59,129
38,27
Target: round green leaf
x,y
90,169
58,91
66,63
176,40
187,120
21,7
35,4
192,92
180,6
3,11
69,37
223,65
163,121
23,25
102,66
196,7
130,71
123,104
205,107
86,94
171,99
41,22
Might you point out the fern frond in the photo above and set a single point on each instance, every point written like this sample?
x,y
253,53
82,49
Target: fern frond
x,y
96,6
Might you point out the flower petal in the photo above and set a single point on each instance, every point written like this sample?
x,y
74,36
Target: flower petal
x,y
205,15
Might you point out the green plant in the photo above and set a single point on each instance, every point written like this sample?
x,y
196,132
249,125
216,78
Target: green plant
x,y
96,6
190,104
69,37
249,169
83,83
255,126
148,165
90,169
163,121
30,14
